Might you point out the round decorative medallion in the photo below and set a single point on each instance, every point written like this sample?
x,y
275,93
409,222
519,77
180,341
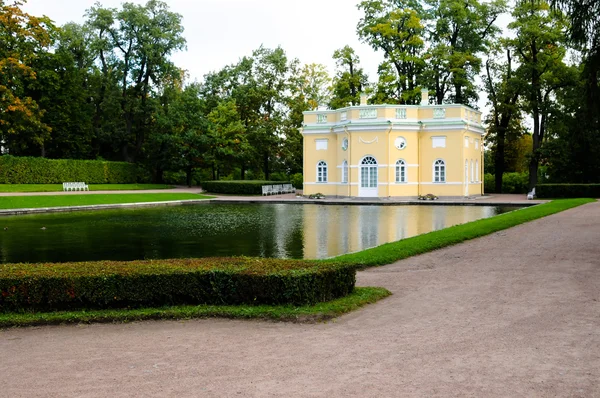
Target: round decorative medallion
x,y
345,144
400,143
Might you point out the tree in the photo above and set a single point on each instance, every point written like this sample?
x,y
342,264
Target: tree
x,y
135,42
350,79
395,27
540,47
23,38
502,87
315,85
459,32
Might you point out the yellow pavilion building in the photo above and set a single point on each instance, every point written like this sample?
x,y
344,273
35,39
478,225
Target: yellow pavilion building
x,y
393,150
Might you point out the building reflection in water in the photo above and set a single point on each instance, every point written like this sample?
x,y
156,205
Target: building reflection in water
x,y
333,230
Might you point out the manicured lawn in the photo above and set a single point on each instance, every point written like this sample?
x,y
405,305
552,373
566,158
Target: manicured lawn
x,y
320,312
394,251
93,187
28,202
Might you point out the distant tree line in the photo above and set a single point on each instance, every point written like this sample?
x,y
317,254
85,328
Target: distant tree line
x,y
108,89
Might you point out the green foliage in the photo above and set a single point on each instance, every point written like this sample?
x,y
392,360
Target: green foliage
x,y
394,251
30,202
567,190
298,181
29,170
146,283
350,80
359,297
239,187
515,183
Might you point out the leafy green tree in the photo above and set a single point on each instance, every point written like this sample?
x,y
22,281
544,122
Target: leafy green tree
x,y
540,46
350,79
133,45
396,28
503,89
23,38
459,32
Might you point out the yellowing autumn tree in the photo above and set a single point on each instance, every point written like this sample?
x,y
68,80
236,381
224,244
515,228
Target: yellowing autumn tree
x,y
22,36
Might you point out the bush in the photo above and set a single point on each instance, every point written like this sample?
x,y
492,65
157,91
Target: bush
x,y
567,190
511,183
229,281
30,170
250,187
298,181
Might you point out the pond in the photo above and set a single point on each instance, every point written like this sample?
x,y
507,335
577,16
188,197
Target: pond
x,y
267,230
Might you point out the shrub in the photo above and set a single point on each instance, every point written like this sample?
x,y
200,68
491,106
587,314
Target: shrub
x,y
31,170
230,281
251,187
511,183
298,181
567,190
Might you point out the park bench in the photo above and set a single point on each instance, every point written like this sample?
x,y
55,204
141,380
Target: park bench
x,y
277,189
75,186
531,195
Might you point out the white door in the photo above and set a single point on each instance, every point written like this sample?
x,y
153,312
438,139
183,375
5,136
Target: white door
x,y
368,178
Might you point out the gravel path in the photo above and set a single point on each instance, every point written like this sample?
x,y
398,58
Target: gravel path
x,y
513,314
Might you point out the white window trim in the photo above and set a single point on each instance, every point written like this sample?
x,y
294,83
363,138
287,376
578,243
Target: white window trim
x,y
325,174
399,175
344,172
433,171
476,170
433,141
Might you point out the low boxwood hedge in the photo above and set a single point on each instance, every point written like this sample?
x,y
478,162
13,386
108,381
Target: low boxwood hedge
x,y
242,187
567,190
150,283
31,170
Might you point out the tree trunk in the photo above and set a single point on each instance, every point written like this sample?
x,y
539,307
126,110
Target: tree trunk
x,y
266,165
499,158
243,172
188,177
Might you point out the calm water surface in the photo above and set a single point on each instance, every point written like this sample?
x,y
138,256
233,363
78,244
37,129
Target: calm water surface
x,y
268,230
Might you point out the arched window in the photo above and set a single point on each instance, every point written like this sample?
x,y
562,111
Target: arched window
x,y
476,170
345,172
439,171
472,171
322,171
400,171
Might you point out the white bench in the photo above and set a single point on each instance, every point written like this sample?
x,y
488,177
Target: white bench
x,y
277,189
531,195
75,186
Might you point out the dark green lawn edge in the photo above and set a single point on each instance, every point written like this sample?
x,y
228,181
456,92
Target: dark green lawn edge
x,y
391,252
360,297
14,188
71,200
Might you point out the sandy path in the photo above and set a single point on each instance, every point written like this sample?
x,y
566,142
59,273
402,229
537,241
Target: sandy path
x,y
513,314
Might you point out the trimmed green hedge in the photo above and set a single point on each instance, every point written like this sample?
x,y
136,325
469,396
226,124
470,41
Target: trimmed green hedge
x,y
249,187
567,190
148,283
511,183
30,170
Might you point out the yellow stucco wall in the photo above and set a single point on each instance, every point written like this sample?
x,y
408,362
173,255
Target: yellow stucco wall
x,y
372,130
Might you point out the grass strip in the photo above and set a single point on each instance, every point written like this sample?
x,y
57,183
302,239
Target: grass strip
x,y
360,297
29,202
391,252
93,187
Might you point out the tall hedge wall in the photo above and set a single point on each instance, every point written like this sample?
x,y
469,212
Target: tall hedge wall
x,y
147,283
567,190
30,170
